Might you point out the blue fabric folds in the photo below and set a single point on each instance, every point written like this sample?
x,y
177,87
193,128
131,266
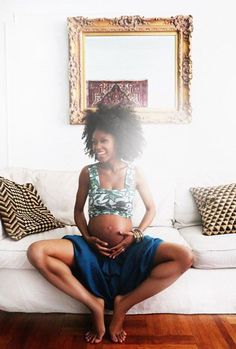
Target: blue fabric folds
x,y
106,277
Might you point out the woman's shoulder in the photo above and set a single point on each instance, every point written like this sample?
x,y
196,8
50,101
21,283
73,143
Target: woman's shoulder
x,y
89,171
139,174
136,168
86,169
84,173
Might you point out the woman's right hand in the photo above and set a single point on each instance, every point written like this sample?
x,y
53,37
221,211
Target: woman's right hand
x,y
99,245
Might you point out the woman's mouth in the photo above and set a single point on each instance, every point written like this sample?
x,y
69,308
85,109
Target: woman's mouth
x,y
101,153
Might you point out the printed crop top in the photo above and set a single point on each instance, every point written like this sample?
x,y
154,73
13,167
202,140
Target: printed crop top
x,y
111,201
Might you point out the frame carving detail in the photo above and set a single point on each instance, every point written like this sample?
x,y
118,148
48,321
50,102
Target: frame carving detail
x,y
181,25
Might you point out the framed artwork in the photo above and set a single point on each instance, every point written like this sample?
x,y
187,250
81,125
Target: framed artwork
x,y
131,60
127,93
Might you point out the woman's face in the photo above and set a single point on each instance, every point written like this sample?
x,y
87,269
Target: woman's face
x,y
104,146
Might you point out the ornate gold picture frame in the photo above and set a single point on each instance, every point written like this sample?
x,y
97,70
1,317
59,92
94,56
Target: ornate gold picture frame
x,y
157,49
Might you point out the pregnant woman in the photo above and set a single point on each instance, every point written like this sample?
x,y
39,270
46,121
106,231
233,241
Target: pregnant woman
x,y
112,265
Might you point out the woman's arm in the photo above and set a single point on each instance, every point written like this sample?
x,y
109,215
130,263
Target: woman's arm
x,y
129,237
146,196
81,197
79,216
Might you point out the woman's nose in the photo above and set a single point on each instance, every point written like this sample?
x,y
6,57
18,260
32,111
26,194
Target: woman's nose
x,y
97,146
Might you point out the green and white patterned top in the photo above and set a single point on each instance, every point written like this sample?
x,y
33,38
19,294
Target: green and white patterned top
x,y
111,201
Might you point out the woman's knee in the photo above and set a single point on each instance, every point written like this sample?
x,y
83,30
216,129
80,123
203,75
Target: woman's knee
x,y
60,249
186,259
36,254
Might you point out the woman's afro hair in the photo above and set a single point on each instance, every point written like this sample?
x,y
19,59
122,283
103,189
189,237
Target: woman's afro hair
x,y
122,123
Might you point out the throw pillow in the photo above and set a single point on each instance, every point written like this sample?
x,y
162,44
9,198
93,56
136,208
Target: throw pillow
x,y
22,211
217,207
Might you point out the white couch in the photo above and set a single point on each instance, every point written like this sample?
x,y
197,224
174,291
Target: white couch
x,y
208,287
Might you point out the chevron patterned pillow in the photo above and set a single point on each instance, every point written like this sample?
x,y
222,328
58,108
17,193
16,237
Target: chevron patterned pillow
x,y
22,211
217,207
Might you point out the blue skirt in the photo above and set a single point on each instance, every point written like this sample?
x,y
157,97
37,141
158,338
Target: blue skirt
x,y
105,277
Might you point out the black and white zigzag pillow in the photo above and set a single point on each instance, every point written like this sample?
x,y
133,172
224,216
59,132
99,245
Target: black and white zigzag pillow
x,y
22,211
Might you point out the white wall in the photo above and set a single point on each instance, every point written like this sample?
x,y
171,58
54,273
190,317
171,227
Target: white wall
x,y
34,120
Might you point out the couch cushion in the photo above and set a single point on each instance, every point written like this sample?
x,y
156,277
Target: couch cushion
x,y
58,190
167,234
163,192
19,175
211,251
22,210
217,206
13,253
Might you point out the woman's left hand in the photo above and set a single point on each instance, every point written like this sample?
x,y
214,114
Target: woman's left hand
x,y
123,245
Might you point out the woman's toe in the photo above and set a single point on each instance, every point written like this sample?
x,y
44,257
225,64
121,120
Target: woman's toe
x,y
120,337
114,338
89,336
97,339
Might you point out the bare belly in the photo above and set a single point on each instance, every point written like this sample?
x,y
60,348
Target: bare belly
x,y
107,228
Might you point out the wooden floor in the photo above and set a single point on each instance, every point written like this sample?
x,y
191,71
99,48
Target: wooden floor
x,y
165,331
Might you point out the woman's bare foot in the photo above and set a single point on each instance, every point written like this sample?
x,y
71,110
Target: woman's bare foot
x,y
117,333
96,333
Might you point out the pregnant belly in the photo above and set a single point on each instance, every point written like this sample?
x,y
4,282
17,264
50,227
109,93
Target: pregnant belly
x,y
108,227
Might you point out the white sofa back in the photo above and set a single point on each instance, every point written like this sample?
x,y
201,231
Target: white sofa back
x,y
174,201
58,189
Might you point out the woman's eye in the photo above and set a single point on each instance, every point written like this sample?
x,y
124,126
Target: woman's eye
x,y
102,141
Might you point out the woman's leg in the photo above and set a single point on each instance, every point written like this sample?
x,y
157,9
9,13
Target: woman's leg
x,y
53,259
171,261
